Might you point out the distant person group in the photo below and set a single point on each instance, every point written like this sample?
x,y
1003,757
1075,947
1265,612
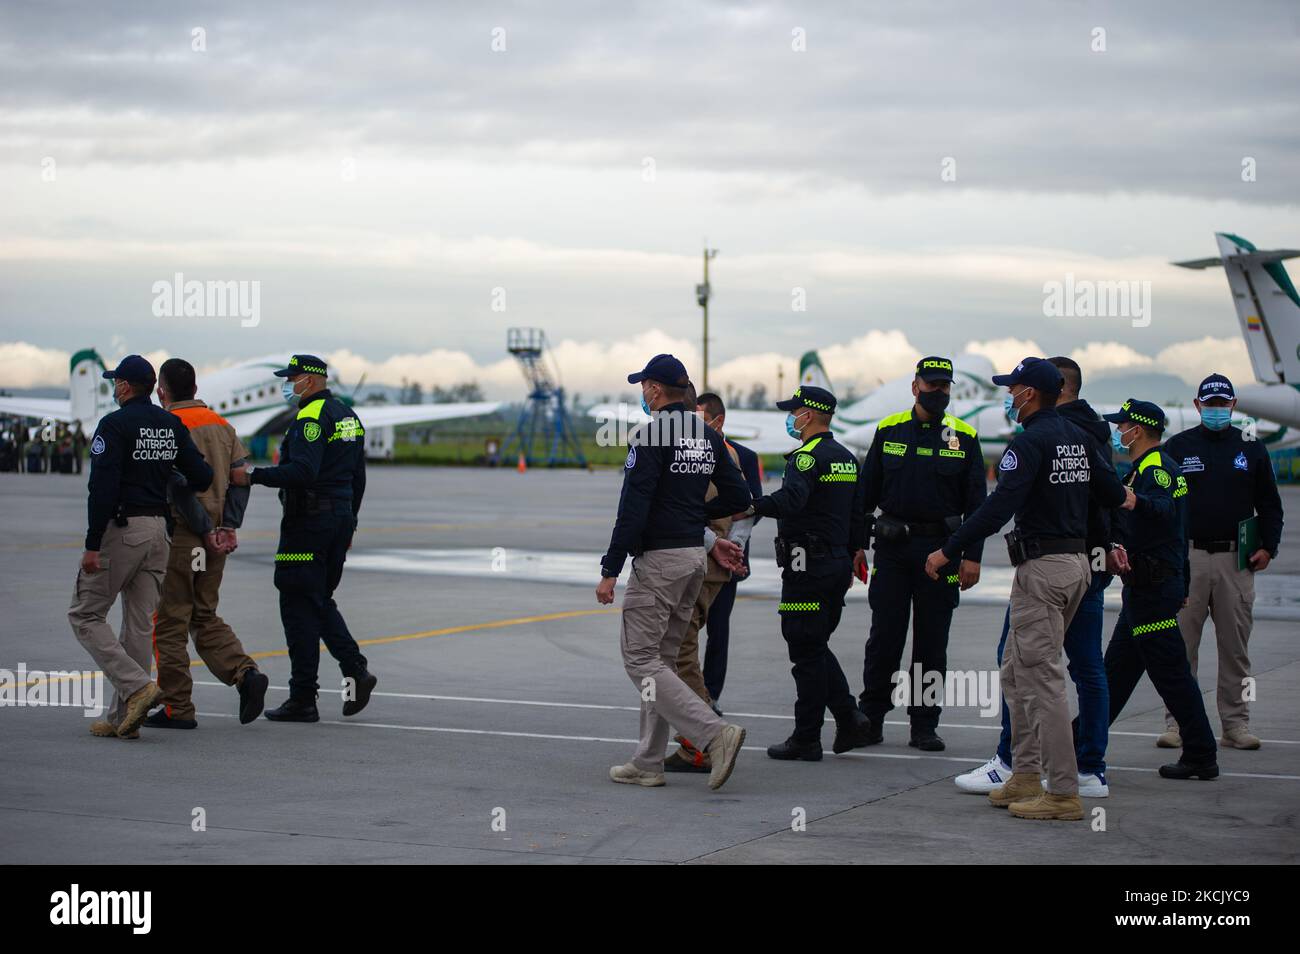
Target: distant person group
x,y
49,448
169,486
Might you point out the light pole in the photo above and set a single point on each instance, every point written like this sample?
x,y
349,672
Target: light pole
x,y
702,293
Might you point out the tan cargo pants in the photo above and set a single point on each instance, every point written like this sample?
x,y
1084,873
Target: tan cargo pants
x,y
133,560
688,657
189,608
1044,596
657,609
1227,595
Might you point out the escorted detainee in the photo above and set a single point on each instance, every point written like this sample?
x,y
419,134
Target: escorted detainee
x,y
661,516
925,473
1045,478
322,478
1231,480
132,456
718,626
820,525
188,608
723,551
1151,559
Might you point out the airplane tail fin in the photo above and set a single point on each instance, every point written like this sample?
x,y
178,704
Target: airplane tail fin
x,y
1267,304
812,373
89,395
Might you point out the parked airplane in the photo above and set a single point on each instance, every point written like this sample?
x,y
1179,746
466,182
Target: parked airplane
x,y
1268,310
246,394
854,423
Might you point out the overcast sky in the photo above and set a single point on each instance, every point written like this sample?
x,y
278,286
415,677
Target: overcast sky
x,y
392,181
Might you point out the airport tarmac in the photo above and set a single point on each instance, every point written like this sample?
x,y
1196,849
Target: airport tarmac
x,y
502,703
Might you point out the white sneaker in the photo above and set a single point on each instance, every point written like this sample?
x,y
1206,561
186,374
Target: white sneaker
x,y
1090,785
629,774
992,774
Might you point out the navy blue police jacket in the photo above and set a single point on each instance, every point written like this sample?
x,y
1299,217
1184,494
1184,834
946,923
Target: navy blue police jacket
x,y
323,451
820,495
1156,526
132,456
1231,479
1045,479
671,460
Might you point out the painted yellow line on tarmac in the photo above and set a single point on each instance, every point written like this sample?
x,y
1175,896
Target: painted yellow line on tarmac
x,y
380,640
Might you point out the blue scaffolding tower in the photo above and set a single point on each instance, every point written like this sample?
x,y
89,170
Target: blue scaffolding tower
x,y
544,432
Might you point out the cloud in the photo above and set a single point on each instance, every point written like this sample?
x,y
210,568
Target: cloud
x,y
878,97
1193,360
596,369
1102,356
1005,353
26,366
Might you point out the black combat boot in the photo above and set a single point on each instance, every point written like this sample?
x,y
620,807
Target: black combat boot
x,y
365,684
1185,770
853,732
791,749
925,739
252,695
295,710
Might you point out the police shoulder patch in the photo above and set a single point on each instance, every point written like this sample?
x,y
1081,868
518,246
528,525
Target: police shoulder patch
x,y
97,445
1009,461
1162,477
311,430
631,458
804,461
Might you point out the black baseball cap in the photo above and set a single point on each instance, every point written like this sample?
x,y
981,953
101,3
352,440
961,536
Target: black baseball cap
x,y
1038,373
934,368
819,399
133,368
1139,412
663,368
1216,386
303,364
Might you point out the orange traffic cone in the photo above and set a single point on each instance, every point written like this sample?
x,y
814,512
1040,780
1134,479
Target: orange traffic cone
x,y
523,464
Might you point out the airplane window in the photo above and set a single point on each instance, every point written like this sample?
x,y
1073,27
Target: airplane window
x,y
223,405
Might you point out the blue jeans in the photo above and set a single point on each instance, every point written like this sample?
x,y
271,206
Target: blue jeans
x,y
1087,669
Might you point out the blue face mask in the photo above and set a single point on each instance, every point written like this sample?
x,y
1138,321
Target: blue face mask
x,y
646,407
1216,418
789,426
286,392
1009,405
1117,442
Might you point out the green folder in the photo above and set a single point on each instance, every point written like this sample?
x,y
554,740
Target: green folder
x,y
1247,541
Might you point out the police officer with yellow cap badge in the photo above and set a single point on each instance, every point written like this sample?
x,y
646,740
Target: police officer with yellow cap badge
x,y
1151,558
925,472
321,476
820,523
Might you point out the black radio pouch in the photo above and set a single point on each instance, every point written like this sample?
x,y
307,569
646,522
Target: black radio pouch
x,y
891,530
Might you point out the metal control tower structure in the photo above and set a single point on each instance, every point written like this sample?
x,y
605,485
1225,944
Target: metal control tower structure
x,y
544,433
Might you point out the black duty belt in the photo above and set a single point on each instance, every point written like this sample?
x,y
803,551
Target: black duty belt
x,y
891,529
141,510
1021,549
1215,546
298,502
